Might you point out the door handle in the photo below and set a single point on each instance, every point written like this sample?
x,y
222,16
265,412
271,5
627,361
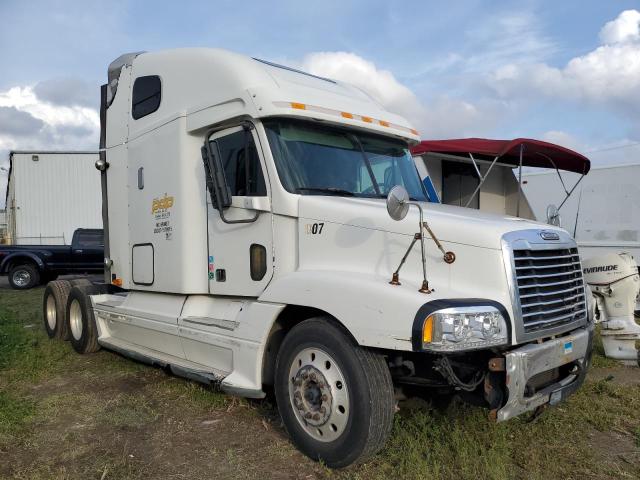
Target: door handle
x,y
77,251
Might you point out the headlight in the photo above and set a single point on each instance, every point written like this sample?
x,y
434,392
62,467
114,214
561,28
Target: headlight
x,y
464,328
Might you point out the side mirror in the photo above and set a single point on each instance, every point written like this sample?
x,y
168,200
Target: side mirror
x,y
216,179
553,215
398,203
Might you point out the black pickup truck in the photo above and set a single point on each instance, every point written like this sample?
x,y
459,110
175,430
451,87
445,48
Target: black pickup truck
x,y
32,265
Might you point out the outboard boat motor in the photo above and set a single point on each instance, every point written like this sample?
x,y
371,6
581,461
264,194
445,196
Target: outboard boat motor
x,y
615,285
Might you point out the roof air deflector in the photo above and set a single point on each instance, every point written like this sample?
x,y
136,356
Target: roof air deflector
x,y
271,64
113,73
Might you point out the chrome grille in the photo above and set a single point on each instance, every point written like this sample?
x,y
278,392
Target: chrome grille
x,y
550,287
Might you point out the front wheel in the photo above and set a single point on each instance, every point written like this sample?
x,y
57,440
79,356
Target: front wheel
x,y
24,277
335,398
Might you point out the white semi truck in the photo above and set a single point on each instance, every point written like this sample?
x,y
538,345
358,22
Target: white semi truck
x,y
266,229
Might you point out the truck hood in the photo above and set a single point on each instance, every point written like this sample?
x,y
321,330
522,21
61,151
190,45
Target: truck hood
x,y
455,225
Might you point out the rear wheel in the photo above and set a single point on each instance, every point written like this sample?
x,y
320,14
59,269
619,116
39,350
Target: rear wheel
x,y
335,398
80,282
48,277
83,332
54,307
24,276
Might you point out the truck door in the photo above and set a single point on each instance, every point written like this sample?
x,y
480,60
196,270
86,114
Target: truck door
x,y
241,254
87,250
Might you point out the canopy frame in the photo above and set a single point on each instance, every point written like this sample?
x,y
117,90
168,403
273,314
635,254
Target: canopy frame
x,y
482,178
521,148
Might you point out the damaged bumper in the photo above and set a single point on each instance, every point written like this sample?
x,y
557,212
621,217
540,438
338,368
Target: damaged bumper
x,y
565,360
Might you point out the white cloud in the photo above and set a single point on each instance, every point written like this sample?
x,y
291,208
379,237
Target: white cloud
x,y
621,151
607,76
510,37
30,123
623,29
349,67
564,139
441,117
55,126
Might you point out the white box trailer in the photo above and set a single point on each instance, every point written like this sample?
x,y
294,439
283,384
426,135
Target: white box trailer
x,y
50,194
260,225
603,213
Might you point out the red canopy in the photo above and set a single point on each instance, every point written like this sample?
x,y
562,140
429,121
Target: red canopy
x,y
535,154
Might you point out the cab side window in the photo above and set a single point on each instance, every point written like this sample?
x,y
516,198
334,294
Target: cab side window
x,y
241,164
147,94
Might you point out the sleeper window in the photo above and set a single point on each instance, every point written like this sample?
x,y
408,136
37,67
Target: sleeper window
x,y
147,93
241,164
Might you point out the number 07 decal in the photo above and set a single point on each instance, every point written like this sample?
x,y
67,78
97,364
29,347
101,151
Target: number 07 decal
x,y
313,228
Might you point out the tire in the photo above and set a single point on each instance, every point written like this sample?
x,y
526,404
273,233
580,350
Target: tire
x,y
80,282
48,277
54,308
352,384
83,332
24,276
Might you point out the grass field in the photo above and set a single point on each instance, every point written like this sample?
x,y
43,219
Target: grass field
x,y
101,416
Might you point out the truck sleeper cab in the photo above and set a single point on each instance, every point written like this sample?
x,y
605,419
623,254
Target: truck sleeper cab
x,y
246,207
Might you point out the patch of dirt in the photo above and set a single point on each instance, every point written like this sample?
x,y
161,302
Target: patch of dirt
x,y
123,425
619,450
621,375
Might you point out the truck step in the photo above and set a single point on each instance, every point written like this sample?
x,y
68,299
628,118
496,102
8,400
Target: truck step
x,y
178,366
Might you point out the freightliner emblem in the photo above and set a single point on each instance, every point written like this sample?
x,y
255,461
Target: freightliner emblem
x,y
549,235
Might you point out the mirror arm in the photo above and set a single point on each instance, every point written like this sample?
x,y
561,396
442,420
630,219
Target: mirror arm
x,y
425,284
448,257
395,279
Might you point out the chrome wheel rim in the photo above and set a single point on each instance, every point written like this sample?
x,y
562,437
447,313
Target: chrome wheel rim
x,y
75,319
21,278
318,394
51,312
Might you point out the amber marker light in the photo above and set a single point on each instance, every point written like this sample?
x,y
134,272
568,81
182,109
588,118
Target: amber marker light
x,y
427,330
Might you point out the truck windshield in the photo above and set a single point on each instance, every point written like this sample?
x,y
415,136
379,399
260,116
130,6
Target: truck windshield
x,y
314,159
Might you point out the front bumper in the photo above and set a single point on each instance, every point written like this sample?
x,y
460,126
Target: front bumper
x,y
523,363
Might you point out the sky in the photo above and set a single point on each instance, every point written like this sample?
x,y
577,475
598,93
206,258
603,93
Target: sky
x,y
562,71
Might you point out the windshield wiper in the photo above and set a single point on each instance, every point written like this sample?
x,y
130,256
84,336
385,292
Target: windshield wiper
x,y
329,190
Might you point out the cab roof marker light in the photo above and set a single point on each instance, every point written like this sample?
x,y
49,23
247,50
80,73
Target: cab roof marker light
x,y
347,115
